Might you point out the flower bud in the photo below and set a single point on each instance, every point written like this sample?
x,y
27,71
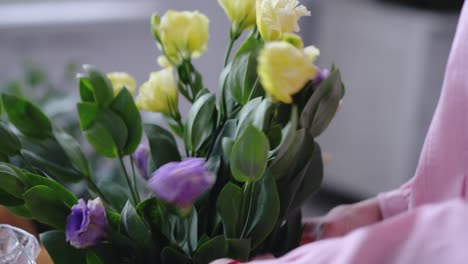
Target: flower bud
x,y
181,183
141,157
241,13
277,17
120,80
284,70
87,224
182,35
159,94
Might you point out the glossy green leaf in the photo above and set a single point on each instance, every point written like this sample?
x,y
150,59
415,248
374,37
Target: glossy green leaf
x,y
322,105
72,149
229,208
215,248
135,227
281,164
20,210
56,170
11,182
46,206
266,212
7,199
9,143
249,155
26,117
102,88
92,258
124,106
86,90
105,130
170,255
247,114
59,250
199,125
238,249
162,145
31,180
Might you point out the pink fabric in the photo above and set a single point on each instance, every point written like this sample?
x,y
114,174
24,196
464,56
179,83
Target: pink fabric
x,y
426,219
441,174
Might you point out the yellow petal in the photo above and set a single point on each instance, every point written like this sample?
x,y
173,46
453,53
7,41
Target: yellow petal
x,y
284,70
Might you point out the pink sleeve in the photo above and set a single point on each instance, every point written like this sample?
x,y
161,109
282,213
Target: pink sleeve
x,y
441,172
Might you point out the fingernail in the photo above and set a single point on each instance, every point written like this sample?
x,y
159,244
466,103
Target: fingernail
x,y
318,231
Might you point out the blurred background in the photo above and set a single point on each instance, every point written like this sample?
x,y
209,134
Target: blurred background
x,y
392,55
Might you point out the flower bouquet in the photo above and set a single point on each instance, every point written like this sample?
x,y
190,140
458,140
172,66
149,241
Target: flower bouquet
x,y
227,179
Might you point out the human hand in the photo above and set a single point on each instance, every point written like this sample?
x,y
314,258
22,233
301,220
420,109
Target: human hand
x,y
342,220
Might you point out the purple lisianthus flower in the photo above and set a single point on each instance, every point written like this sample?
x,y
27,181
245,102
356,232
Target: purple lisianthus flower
x,y
141,157
181,183
322,74
87,224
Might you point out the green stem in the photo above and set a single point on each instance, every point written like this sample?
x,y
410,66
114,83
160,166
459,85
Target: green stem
x,y
127,178
187,235
132,162
249,210
228,53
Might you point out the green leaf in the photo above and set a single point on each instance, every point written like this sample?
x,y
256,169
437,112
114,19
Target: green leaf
x,y
267,209
46,206
92,258
86,90
227,102
73,151
102,88
290,234
322,105
247,114
20,210
105,131
59,250
170,255
215,248
249,155
288,134
242,81
229,208
312,175
227,144
57,171
281,164
199,125
31,180
115,193
135,227
11,182
124,106
162,145
9,143
26,117
238,249
7,199
228,131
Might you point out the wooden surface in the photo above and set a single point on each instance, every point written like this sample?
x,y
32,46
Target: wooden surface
x,y
7,218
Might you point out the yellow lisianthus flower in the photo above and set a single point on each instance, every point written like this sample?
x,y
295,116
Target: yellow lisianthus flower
x,y
241,13
159,94
284,70
182,35
276,17
120,80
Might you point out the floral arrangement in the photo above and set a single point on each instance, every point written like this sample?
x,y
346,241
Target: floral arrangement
x,y
225,180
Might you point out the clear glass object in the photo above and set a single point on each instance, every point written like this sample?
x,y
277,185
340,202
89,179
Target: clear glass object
x,y
17,246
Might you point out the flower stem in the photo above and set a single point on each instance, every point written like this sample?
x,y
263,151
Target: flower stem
x,y
187,235
127,178
132,162
248,187
228,53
